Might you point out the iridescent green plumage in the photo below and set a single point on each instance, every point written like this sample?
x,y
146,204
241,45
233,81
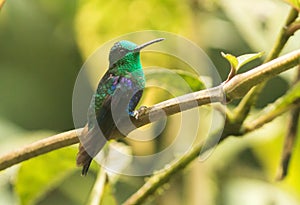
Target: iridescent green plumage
x,y
117,95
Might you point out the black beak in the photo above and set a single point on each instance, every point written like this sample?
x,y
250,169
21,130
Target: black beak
x,y
137,49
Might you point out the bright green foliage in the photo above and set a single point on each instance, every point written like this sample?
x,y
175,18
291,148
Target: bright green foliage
x,y
100,21
175,81
42,174
237,62
193,80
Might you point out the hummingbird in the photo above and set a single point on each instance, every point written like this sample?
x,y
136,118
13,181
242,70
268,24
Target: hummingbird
x,y
118,93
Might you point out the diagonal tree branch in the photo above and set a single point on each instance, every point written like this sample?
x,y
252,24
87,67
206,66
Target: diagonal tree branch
x,y
289,144
290,138
163,176
284,34
236,88
287,102
39,147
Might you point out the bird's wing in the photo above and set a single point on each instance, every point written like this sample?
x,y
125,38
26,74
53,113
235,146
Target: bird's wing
x,y
100,109
110,107
92,138
121,97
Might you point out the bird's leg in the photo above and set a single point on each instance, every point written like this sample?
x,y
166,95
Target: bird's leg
x,y
137,113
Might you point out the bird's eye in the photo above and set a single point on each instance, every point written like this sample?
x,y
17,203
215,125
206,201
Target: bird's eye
x,y
122,50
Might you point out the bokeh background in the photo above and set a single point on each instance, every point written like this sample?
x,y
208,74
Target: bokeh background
x,y
43,45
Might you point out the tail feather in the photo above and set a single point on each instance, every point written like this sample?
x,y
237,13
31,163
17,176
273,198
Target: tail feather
x,y
84,160
86,167
91,144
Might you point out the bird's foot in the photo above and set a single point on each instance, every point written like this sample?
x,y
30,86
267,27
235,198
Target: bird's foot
x,y
137,113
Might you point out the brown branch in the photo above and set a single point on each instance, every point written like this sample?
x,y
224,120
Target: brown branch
x,y
233,89
38,148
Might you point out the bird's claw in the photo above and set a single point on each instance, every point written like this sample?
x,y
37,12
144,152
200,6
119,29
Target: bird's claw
x,y
139,112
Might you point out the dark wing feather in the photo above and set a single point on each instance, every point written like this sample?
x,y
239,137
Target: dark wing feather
x,y
93,137
106,114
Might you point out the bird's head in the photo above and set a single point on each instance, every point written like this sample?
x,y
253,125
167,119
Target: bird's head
x,y
127,52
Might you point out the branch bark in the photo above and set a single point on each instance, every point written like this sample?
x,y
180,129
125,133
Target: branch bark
x,y
39,147
233,89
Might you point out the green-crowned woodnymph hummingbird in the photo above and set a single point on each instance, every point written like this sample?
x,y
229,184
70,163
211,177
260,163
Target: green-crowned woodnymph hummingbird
x,y
115,99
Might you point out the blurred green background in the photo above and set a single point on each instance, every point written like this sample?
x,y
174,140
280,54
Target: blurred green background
x,y
43,45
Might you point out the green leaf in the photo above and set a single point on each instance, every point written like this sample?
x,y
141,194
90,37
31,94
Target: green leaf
x,y
294,3
237,62
244,59
232,60
177,82
193,80
42,174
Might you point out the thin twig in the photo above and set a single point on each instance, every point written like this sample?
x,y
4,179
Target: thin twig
x,y
293,28
289,144
283,36
290,100
97,192
162,177
157,180
290,139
